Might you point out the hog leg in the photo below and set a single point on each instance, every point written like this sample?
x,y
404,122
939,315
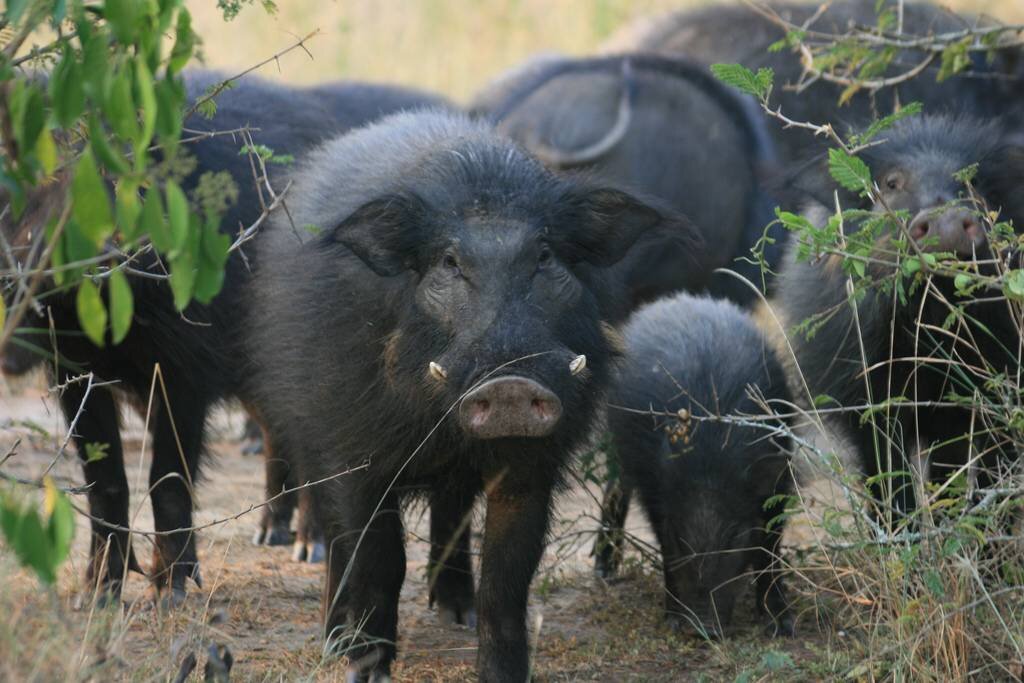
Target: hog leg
x,y
276,520
514,535
770,585
110,552
171,479
450,569
611,537
365,571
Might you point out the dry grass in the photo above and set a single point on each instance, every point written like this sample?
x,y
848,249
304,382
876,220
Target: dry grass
x,y
449,46
861,613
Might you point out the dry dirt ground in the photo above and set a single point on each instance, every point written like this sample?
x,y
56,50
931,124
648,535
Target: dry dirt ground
x,y
266,608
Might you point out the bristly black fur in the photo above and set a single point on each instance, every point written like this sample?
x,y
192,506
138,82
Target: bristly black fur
x,y
198,350
925,152
703,484
429,238
690,141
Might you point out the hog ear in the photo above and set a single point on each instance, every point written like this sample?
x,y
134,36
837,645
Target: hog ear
x,y
602,224
999,182
769,474
382,233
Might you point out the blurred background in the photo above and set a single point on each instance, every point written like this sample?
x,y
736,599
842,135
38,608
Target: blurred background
x,y
451,46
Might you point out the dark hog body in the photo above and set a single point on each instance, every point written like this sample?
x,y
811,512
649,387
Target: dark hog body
x,y
737,34
664,127
914,171
198,351
702,484
443,326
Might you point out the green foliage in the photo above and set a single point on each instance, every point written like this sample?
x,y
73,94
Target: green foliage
x,y
849,171
113,79
231,8
740,77
40,543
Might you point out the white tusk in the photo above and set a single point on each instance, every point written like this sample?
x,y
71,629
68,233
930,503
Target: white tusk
x,y
578,364
437,372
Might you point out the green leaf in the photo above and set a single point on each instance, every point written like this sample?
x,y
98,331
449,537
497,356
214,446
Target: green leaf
x,y
122,17
28,114
1013,286
128,209
147,99
67,94
170,96
90,205
121,306
849,171
887,122
15,8
104,151
46,152
184,42
95,65
27,538
962,281
120,107
213,256
61,526
92,315
177,216
183,279
94,452
911,265
740,77
153,223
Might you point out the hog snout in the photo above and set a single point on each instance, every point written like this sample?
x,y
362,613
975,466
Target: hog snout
x,y
510,407
956,230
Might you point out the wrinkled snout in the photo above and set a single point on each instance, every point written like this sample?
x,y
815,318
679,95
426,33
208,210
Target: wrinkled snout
x,y
956,230
510,406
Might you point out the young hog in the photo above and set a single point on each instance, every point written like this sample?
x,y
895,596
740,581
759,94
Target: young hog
x,y
702,484
198,351
907,344
439,317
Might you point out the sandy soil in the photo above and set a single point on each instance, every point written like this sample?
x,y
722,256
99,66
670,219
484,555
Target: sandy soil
x,y
266,608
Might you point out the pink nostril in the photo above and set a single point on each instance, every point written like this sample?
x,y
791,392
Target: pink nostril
x,y
919,230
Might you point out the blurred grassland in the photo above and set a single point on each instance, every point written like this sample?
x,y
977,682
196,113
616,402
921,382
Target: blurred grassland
x,y
449,46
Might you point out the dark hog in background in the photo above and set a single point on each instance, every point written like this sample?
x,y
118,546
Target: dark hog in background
x,y
461,347
703,484
198,351
666,128
907,350
735,33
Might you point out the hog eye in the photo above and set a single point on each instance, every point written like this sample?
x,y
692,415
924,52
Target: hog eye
x,y
452,264
893,181
544,257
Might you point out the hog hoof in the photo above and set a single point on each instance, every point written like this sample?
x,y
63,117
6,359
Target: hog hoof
x,y
274,535
172,599
101,599
781,628
452,616
308,551
354,676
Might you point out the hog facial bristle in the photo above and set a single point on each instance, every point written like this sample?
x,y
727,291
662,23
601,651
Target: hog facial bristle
x,y
437,372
